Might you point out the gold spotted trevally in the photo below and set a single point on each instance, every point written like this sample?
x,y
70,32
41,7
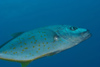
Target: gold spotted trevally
x,y
25,47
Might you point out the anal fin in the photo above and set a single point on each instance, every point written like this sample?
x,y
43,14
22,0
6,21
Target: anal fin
x,y
25,64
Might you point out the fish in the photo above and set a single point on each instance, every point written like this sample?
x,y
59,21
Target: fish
x,y
25,47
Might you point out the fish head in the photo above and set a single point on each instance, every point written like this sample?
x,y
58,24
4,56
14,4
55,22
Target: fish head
x,y
73,34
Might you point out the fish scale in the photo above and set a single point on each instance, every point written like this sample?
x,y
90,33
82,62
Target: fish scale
x,y
25,47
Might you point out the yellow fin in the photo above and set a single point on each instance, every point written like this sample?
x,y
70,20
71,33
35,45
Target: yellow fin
x,y
25,64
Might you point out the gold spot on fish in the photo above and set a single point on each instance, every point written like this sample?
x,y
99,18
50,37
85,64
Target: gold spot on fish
x,y
14,48
43,32
25,43
34,42
48,47
22,50
11,51
45,38
44,45
39,45
25,56
43,42
26,48
41,35
39,49
20,42
5,52
33,36
16,52
20,46
29,38
47,43
33,46
32,55
12,44
39,31
31,41
29,53
44,35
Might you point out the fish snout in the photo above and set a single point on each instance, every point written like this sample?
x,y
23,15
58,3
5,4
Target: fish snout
x,y
86,34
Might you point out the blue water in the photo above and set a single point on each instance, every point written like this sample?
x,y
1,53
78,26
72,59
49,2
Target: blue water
x,y
24,15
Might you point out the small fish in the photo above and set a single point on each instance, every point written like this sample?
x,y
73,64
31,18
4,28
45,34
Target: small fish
x,y
26,47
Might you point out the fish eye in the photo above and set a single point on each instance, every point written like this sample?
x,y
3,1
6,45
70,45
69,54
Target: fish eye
x,y
56,38
73,28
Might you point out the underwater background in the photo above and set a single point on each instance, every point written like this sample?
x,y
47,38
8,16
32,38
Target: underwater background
x,y
24,15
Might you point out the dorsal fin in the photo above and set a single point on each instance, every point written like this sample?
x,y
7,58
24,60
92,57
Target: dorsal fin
x,y
17,34
6,43
14,36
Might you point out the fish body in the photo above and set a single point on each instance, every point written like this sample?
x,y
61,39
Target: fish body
x,y
45,41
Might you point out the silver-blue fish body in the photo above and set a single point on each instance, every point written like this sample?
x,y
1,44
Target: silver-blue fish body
x,y
42,42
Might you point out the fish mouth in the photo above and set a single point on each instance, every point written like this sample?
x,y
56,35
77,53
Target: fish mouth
x,y
86,35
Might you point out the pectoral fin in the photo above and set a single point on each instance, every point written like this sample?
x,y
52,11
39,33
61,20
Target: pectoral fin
x,y
25,64
52,53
